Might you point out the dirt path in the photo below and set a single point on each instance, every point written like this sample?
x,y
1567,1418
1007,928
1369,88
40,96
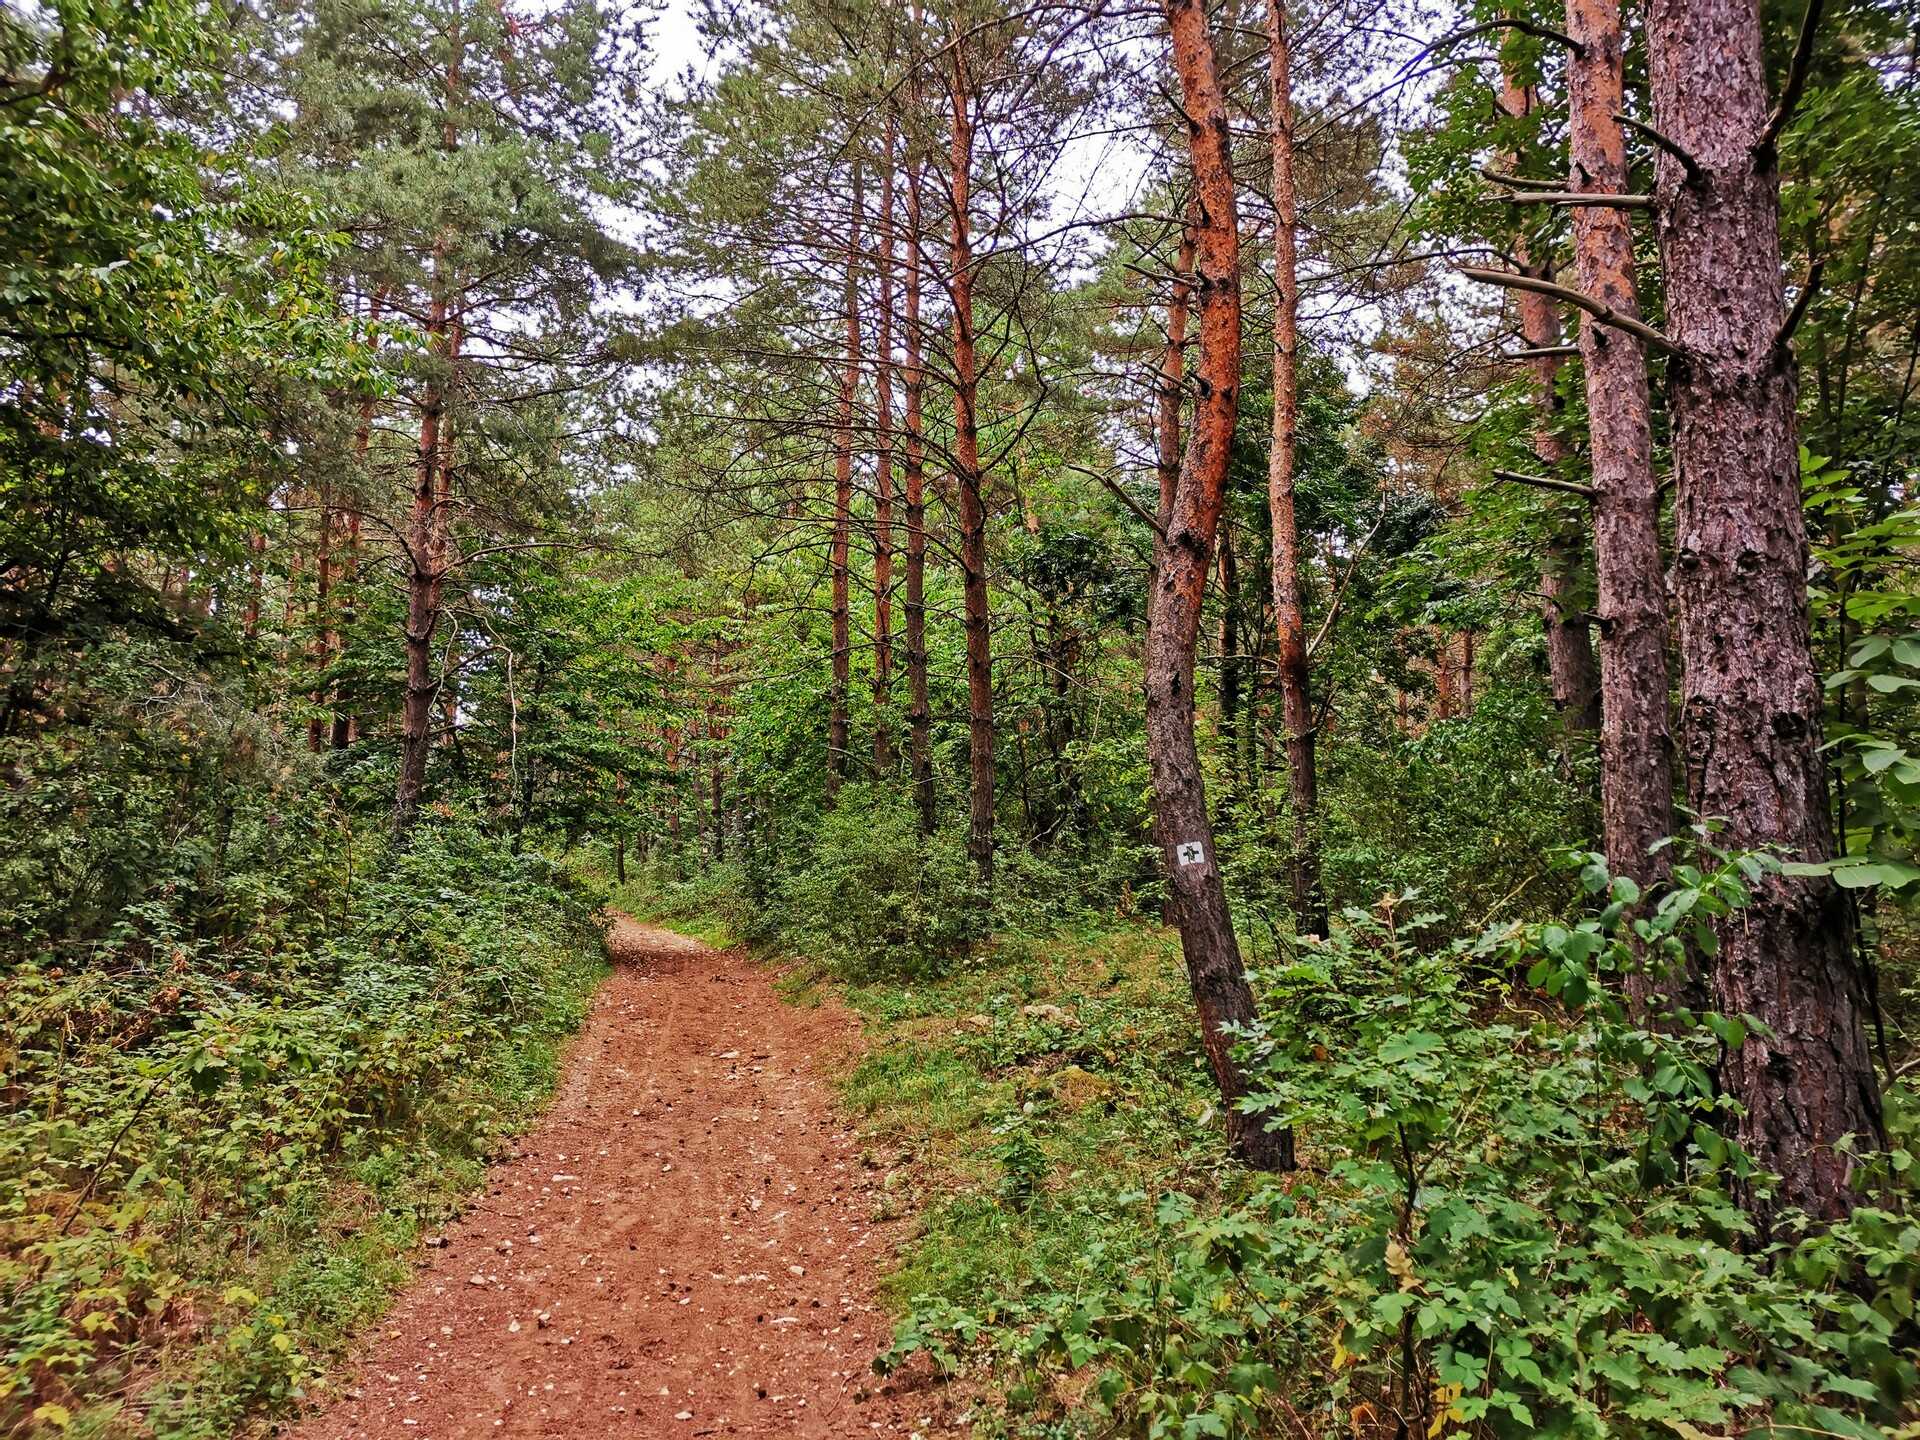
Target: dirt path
x,y
682,1247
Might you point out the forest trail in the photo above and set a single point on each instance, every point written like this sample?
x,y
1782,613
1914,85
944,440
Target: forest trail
x,y
681,1247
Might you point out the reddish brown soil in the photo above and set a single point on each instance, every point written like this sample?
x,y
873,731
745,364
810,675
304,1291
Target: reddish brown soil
x,y
682,1247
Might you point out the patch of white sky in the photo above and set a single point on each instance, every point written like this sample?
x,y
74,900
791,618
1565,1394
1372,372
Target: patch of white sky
x,y
1102,170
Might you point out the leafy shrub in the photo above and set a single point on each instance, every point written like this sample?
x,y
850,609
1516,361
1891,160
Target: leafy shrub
x,y
200,1069
874,896
1514,1220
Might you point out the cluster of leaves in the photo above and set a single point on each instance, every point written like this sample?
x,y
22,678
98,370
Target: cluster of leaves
x,y
229,1001
1515,1218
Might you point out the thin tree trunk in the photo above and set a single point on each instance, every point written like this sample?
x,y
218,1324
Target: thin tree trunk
x,y
1170,386
840,689
966,466
1289,608
320,651
1751,696
428,518
1573,671
1197,896
424,579
883,479
344,726
919,711
1636,746
1228,573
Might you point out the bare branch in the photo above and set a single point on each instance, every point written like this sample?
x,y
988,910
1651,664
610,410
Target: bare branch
x,y
1671,146
1545,482
1518,182
1120,494
1581,197
1542,352
1799,311
1796,79
1598,309
1525,27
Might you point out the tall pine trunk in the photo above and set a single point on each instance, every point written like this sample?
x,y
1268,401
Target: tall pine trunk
x,y
914,486
425,578
1751,698
883,478
1573,671
968,481
1289,608
428,518
1170,384
840,689
1636,747
1197,896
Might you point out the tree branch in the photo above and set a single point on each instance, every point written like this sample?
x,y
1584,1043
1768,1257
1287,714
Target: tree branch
x,y
1671,146
1598,309
1580,197
1799,311
1517,182
1796,79
1545,482
1121,495
1525,27
1340,591
1542,352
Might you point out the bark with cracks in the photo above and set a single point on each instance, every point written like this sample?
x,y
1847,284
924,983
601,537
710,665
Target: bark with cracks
x,y
1636,747
968,481
913,486
1197,897
1289,609
1751,697
1571,666
839,688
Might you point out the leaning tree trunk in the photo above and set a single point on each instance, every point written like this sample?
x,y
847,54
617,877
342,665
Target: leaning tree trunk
x,y
1750,693
1289,609
840,688
1197,896
1636,747
967,477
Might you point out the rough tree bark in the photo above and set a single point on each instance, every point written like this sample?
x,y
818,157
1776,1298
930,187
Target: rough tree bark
x,y
428,518
967,478
839,688
1636,747
914,488
1170,385
1197,896
1751,698
1573,670
883,476
1289,609
426,574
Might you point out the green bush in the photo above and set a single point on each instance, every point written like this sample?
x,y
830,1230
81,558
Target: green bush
x,y
874,896
1514,1220
227,1001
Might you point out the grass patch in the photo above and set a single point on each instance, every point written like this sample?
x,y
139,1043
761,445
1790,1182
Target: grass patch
x,y
1017,1101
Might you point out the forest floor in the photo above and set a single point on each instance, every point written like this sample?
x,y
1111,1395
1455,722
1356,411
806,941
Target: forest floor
x,y
684,1245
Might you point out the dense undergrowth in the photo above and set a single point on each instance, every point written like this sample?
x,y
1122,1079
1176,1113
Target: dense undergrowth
x,y
249,1049
1515,1211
